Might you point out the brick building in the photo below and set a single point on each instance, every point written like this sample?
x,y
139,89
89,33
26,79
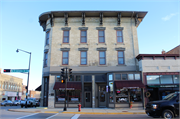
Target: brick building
x,y
10,87
101,48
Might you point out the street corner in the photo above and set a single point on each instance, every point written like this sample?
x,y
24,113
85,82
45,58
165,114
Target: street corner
x,y
112,113
28,111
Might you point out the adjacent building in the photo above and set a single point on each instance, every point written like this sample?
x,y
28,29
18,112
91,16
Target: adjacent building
x,y
160,74
101,48
34,94
10,87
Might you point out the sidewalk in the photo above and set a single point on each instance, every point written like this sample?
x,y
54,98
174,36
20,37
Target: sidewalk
x,y
83,110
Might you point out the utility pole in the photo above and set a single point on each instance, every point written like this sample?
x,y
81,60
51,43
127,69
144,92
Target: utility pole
x,y
65,109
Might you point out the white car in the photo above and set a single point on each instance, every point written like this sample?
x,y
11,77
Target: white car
x,y
16,102
30,102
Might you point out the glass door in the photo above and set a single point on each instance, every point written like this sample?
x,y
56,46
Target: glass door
x,y
102,96
87,99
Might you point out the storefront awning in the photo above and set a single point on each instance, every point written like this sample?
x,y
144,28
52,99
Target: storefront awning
x,y
70,86
129,84
38,89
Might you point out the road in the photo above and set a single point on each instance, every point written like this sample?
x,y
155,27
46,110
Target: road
x,y
5,114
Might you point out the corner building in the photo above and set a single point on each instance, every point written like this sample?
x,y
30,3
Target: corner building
x,y
101,48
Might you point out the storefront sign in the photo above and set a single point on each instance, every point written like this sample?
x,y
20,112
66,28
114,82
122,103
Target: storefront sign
x,y
12,94
129,87
74,99
66,88
61,99
163,86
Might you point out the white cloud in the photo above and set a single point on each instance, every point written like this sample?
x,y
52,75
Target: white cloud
x,y
168,17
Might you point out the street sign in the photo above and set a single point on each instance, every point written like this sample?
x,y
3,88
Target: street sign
x,y
20,70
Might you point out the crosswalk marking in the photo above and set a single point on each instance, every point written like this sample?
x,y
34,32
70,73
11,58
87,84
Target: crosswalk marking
x,y
76,116
27,115
52,116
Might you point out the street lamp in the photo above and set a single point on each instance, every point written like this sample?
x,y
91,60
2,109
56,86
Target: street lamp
x,y
28,72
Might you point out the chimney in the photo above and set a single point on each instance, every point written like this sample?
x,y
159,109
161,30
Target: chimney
x,y
163,52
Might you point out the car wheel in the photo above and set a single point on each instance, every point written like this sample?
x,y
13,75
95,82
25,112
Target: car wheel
x,y
21,106
167,114
31,105
5,105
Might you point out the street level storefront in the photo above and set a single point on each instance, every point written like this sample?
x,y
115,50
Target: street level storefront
x,y
158,85
114,90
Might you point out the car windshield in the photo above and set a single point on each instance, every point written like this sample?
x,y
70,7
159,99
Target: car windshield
x,y
170,96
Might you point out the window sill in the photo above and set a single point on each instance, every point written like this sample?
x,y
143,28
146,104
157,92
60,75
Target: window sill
x,y
83,65
119,44
65,44
82,43
101,44
119,65
44,66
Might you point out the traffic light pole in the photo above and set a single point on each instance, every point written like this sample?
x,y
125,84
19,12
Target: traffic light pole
x,y
65,109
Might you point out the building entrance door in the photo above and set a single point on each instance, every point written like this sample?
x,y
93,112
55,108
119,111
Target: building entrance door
x,y
88,99
102,96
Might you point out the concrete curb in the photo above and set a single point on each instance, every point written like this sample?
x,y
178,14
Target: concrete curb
x,y
104,113
39,111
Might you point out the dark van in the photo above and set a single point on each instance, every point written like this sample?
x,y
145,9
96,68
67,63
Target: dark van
x,y
167,108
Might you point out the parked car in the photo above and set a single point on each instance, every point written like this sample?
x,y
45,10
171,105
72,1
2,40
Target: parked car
x,y
7,102
16,102
167,108
30,102
37,103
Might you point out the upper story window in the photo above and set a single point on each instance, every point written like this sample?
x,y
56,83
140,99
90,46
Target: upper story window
x,y
120,57
102,57
119,36
65,57
66,36
83,36
101,36
47,37
83,57
45,59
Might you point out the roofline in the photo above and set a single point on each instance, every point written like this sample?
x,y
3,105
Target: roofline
x,y
173,49
44,16
156,55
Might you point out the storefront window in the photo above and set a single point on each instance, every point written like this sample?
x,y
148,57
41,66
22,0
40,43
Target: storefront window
x,y
152,79
166,79
74,96
110,77
122,96
135,95
137,76
176,78
58,78
111,92
87,78
130,77
78,78
118,76
124,76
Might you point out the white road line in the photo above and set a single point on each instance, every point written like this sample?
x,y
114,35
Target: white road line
x,y
27,115
52,116
75,116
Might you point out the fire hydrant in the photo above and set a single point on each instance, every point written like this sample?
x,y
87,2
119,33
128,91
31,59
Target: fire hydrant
x,y
131,104
79,107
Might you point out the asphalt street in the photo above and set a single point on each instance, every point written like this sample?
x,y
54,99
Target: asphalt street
x,y
5,114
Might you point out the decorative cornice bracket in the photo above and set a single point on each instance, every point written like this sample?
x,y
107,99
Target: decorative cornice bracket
x,y
51,16
137,22
66,19
119,19
101,19
83,19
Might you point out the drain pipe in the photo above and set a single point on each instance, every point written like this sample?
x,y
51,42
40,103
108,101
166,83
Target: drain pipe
x,y
133,42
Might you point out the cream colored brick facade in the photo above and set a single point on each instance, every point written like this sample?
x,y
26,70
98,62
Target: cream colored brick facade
x,y
55,25
129,36
9,86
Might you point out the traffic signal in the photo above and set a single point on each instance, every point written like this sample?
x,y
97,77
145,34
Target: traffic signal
x,y
7,70
70,73
62,76
62,81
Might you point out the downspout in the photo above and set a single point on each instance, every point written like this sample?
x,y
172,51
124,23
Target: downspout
x,y
133,42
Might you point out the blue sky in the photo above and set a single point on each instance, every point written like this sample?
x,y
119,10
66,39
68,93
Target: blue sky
x,y
19,28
